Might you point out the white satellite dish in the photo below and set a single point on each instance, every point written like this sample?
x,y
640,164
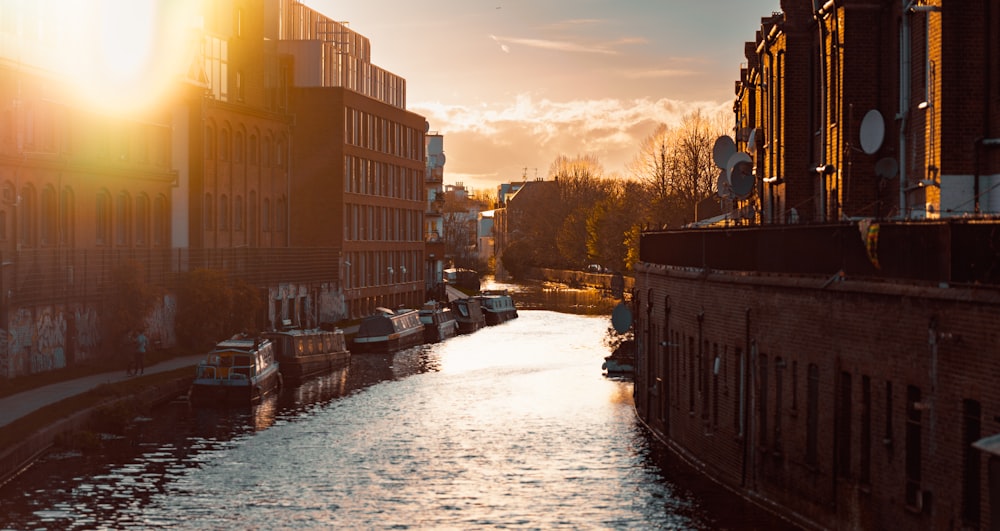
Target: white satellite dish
x,y
441,159
723,149
872,131
752,141
740,171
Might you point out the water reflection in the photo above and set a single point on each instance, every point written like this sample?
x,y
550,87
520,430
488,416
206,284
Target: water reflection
x,y
512,426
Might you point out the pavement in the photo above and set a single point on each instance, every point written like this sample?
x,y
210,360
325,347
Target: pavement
x,y
16,406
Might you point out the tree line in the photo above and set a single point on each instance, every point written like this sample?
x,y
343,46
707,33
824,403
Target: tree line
x,y
595,217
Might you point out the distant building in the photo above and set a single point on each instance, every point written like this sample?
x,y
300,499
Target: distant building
x,y
436,251
484,236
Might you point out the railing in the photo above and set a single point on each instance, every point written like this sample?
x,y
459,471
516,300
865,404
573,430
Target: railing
x,y
49,275
954,251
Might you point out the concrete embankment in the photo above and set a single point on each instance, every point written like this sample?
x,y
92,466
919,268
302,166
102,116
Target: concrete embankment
x,y
17,457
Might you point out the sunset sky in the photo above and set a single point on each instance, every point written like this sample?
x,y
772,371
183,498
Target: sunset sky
x,y
512,84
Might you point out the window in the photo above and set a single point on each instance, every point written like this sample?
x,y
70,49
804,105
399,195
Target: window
x,y
812,415
253,149
914,432
762,406
209,142
843,441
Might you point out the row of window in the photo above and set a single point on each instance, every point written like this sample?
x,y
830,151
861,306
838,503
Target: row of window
x,y
712,370
240,147
366,130
381,268
369,177
239,214
48,219
379,223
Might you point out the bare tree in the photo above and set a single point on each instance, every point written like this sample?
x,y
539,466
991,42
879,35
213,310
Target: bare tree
x,y
677,168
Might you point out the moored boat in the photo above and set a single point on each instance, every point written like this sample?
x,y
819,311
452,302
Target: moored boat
x,y
621,362
439,322
388,331
498,306
469,315
304,353
237,371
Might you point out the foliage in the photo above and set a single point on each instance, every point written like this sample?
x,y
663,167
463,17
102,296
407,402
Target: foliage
x,y
129,302
211,306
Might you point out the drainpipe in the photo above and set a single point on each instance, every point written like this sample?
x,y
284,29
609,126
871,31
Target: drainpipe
x,y
904,100
821,28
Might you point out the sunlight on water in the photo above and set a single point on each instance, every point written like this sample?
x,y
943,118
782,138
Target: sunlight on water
x,y
513,426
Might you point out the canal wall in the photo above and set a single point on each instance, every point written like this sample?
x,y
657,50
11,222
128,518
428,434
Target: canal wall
x,y
579,279
19,457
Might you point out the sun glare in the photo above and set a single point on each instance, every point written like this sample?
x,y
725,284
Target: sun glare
x,y
123,55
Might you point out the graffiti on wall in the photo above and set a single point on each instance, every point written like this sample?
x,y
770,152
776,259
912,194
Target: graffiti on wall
x,y
88,334
50,330
160,324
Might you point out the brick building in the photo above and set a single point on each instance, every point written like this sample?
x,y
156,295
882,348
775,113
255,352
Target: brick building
x,y
837,362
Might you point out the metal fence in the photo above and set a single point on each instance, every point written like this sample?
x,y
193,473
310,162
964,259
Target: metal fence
x,y
31,277
954,251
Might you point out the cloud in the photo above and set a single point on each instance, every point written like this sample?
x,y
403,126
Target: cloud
x,y
493,143
503,47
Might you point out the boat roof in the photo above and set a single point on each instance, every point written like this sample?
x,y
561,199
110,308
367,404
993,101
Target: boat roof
x,y
240,344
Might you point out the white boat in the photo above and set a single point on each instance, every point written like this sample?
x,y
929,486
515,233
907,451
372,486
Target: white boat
x,y
238,370
439,322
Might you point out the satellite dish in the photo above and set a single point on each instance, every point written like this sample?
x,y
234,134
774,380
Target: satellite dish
x,y
740,171
427,126
872,131
722,185
886,168
752,141
723,149
440,159
621,318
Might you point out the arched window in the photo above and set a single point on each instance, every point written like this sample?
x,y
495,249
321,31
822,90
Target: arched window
x,y
49,220
265,153
123,219
161,234
209,212
103,218
142,215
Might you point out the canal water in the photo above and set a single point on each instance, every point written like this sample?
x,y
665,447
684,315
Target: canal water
x,y
511,427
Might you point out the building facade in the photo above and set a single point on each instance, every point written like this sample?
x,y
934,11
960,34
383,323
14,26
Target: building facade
x,y
836,362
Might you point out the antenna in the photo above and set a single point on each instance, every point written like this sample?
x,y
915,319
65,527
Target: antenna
x,y
872,131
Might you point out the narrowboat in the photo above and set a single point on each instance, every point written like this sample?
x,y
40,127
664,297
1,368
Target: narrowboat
x,y
237,371
498,306
439,322
469,315
305,353
388,331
